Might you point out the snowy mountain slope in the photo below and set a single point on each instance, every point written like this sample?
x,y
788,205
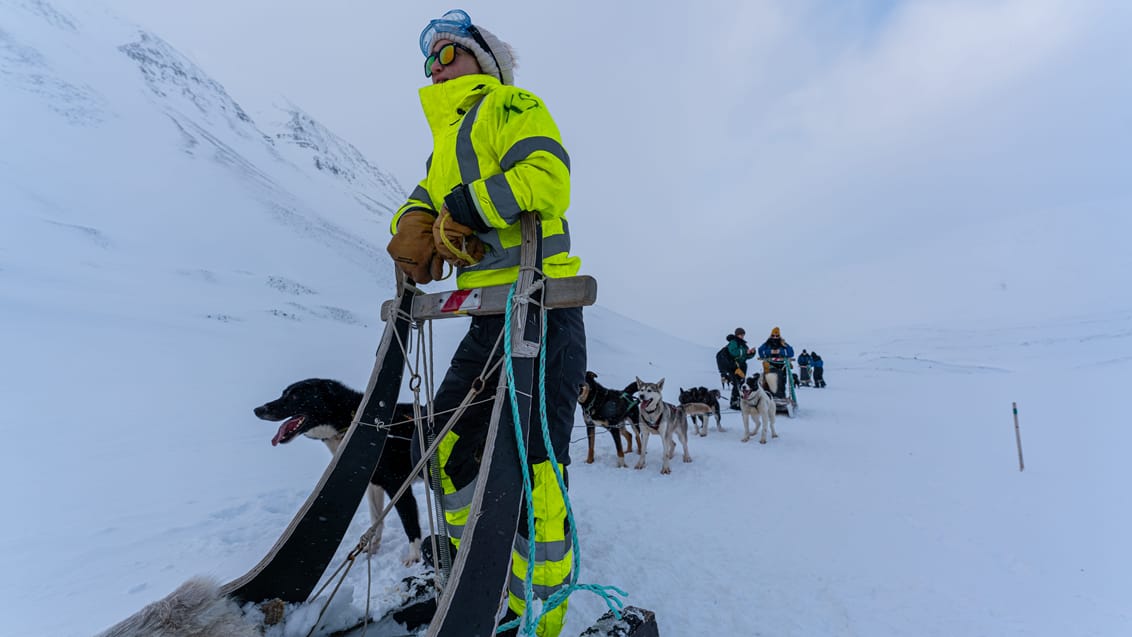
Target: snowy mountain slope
x,y
311,143
110,134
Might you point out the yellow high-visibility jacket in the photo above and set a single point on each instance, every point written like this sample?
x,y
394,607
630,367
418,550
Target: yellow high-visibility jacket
x,y
502,143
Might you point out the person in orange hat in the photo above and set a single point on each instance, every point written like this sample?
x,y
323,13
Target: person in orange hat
x,y
774,347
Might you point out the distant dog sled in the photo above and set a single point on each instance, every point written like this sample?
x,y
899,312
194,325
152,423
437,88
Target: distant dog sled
x,y
779,381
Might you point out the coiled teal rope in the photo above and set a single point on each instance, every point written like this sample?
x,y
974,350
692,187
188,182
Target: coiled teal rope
x,y
559,597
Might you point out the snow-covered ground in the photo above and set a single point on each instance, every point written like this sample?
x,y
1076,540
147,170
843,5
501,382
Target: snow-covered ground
x,y
167,263
891,505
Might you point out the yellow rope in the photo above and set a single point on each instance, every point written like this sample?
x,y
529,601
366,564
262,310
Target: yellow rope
x,y
459,252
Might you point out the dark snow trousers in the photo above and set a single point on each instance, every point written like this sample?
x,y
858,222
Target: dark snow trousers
x,y
461,450
735,382
565,373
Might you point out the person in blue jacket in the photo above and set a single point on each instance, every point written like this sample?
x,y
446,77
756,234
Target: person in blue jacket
x,y
775,348
819,374
804,363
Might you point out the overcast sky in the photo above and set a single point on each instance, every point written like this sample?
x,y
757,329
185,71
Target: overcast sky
x,y
761,162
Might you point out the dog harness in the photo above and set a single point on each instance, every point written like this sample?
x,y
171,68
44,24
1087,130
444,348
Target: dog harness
x,y
645,421
630,403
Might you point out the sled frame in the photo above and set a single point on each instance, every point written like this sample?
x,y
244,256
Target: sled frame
x,y
470,601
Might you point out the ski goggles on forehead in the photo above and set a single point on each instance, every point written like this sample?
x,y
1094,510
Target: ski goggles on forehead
x,y
456,22
446,55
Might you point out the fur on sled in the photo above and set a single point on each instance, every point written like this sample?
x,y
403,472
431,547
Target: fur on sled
x,y
196,609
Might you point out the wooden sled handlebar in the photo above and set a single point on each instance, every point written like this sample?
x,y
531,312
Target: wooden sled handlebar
x,y
575,291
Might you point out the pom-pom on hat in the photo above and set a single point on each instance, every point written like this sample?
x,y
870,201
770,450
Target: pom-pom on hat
x,y
495,57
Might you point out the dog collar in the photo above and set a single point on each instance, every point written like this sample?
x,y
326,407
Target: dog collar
x,y
588,405
645,410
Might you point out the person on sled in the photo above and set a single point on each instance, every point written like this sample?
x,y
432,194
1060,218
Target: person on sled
x,y
496,153
804,364
775,348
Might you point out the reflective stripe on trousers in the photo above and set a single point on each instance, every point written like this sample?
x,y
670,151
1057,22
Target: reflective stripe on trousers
x,y
456,502
554,555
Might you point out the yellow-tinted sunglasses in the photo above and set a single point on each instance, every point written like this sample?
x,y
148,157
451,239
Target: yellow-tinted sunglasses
x,y
445,56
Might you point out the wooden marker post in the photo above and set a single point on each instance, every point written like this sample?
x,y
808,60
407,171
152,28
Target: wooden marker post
x,y
1018,437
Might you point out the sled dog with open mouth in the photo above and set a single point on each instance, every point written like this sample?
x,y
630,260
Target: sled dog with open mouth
x,y
324,409
665,419
757,403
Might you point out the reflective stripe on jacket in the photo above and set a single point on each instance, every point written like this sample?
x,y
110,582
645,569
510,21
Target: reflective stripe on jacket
x,y
503,144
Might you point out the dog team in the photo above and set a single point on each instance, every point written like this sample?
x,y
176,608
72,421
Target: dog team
x,y
639,411
323,409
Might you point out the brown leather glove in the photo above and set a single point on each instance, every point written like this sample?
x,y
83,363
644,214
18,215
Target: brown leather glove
x,y
412,248
456,243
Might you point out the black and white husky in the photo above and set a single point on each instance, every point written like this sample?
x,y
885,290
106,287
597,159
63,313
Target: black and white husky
x,y
324,409
664,419
756,402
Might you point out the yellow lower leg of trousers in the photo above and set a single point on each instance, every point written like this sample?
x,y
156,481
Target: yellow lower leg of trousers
x,y
456,516
552,573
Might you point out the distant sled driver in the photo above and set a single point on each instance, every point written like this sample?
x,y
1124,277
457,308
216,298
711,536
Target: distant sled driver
x,y
819,371
804,366
774,353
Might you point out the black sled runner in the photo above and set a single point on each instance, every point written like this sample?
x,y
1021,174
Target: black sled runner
x,y
293,567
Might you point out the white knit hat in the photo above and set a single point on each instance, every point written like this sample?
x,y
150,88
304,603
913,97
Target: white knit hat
x,y
503,53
